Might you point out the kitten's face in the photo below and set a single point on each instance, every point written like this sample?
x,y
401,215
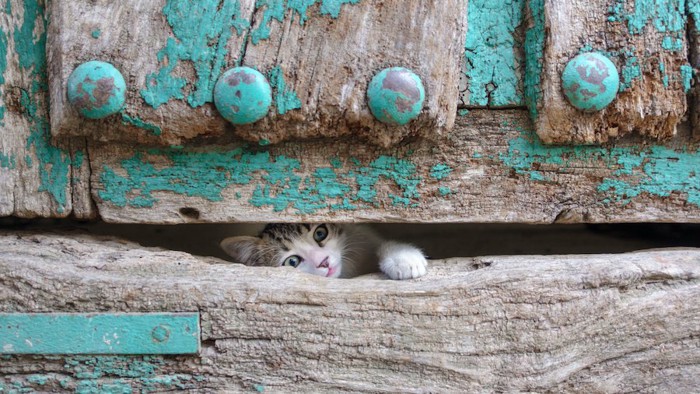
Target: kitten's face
x,y
313,248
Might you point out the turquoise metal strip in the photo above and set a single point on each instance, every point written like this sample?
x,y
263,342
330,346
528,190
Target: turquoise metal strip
x,y
99,333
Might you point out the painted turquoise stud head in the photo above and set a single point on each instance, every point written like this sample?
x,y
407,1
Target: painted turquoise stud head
x,y
590,82
395,96
242,95
96,89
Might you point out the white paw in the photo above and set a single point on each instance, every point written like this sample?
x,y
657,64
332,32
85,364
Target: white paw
x,y
405,262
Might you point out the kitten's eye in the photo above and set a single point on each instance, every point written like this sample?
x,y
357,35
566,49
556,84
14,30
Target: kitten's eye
x,y
292,261
320,233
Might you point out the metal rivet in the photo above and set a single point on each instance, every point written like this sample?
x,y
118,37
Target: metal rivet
x,y
96,89
590,82
396,96
160,333
242,95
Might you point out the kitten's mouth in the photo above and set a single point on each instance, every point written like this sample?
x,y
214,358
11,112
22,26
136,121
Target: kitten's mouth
x,y
331,271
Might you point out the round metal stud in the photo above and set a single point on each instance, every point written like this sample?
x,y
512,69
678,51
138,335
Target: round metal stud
x,y
160,333
396,96
590,82
242,95
96,89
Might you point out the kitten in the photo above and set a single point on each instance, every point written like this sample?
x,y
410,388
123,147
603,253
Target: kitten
x,y
331,250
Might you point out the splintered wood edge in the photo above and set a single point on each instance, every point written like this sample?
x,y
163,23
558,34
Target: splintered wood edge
x,y
553,322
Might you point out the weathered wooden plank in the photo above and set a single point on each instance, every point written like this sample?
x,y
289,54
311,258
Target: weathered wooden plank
x,y
646,40
591,323
319,57
36,174
493,64
99,333
329,63
691,79
170,54
492,168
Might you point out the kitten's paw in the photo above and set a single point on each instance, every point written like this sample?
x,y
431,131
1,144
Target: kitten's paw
x,y
404,262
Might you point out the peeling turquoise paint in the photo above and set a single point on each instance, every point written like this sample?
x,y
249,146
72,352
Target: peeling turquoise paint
x,y
276,179
37,379
8,161
259,388
78,159
285,98
264,142
202,29
135,121
54,164
663,171
693,11
3,67
662,70
444,191
492,65
687,74
672,44
96,33
440,171
656,170
526,152
463,112
534,52
631,70
124,374
666,16
332,7
278,9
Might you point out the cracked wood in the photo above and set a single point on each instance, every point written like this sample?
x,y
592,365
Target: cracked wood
x,y
591,323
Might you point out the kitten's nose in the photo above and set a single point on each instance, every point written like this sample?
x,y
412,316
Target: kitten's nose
x,y
324,263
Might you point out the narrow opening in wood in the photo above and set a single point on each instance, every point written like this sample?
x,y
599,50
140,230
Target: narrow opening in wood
x,y
190,213
438,241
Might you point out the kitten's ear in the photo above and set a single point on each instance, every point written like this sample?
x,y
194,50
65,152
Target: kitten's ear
x,y
243,249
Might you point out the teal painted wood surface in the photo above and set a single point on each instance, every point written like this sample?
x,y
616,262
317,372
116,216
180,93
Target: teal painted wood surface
x,y
492,74
72,333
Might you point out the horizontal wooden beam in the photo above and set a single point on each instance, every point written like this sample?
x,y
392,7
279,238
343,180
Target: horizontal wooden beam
x,y
492,168
625,322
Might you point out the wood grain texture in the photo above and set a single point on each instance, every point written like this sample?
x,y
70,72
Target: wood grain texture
x,y
693,10
596,323
493,62
647,41
166,51
319,61
329,63
491,168
37,174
